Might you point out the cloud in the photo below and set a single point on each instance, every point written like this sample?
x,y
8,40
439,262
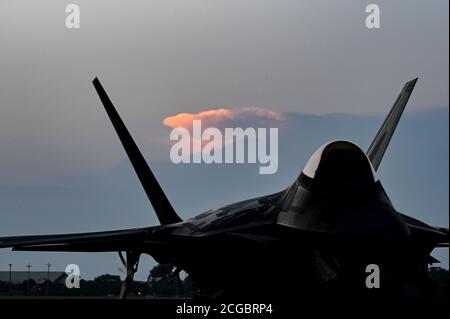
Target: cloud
x,y
222,116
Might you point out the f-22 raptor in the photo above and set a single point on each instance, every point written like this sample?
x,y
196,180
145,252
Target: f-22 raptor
x,y
318,234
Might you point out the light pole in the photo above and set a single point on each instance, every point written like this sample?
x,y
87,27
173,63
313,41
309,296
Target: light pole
x,y
28,281
48,278
10,279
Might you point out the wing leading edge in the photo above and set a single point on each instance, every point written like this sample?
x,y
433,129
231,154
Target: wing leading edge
x,y
116,240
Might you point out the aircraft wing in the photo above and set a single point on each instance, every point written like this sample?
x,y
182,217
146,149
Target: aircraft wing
x,y
437,236
116,240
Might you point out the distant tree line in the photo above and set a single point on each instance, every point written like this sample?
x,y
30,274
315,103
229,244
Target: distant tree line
x,y
161,283
440,277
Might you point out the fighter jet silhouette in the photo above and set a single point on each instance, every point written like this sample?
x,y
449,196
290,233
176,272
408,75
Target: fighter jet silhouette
x,y
320,232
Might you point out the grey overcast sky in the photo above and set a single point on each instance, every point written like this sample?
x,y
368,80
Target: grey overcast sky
x,y
158,58
161,57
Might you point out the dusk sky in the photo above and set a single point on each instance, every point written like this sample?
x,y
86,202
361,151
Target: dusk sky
x,y
62,168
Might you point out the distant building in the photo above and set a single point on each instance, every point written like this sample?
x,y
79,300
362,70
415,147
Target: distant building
x,y
18,277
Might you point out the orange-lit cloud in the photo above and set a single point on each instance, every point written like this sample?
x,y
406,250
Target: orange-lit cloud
x,y
216,117
221,118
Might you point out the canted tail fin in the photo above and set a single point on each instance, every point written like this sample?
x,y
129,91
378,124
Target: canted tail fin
x,y
164,210
378,147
